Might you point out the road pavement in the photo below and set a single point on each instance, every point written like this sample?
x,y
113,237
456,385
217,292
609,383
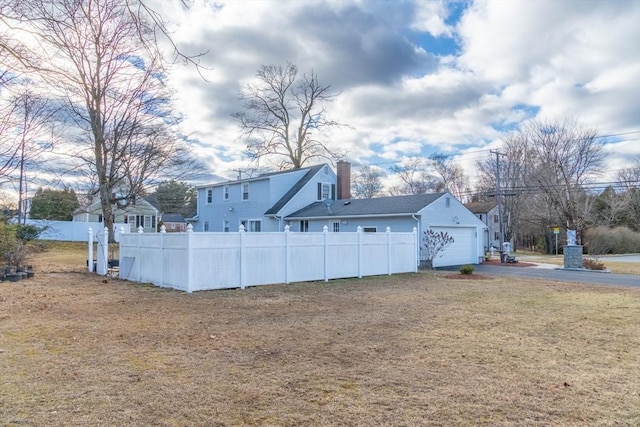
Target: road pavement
x,y
554,273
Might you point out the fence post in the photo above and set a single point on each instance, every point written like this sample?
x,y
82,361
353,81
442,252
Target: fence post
x,y
140,231
163,265
242,256
389,250
416,248
90,254
189,259
325,230
359,230
120,250
103,253
286,254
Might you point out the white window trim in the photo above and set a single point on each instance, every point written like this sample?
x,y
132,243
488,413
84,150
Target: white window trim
x,y
254,221
242,192
335,226
225,193
208,200
325,185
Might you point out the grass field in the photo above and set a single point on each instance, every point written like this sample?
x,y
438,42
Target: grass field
x,y
404,350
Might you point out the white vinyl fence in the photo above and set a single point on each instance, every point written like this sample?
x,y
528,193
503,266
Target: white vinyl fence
x,y
70,231
201,261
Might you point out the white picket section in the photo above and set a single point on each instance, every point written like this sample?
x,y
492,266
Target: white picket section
x,y
203,261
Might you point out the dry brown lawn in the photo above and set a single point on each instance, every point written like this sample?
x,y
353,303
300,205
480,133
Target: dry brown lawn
x,y
405,350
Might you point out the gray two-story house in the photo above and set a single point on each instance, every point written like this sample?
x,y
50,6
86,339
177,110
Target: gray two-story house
x,y
261,203
310,199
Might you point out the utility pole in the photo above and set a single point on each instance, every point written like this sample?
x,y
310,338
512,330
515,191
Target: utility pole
x,y
499,199
239,173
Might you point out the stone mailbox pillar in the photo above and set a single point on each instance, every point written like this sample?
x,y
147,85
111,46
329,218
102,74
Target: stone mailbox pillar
x,y
572,256
572,252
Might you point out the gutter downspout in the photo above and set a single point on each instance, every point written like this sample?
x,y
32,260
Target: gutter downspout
x,y
419,237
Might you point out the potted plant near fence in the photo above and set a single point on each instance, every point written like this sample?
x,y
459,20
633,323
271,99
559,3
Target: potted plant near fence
x,y
17,259
14,250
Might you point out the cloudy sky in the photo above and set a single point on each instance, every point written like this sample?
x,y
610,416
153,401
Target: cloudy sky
x,y
417,77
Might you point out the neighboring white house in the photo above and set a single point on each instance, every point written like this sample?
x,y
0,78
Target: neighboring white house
x,y
139,213
487,212
310,198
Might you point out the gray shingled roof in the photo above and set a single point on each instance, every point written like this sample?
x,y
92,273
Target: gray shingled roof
x,y
480,207
294,190
396,205
172,217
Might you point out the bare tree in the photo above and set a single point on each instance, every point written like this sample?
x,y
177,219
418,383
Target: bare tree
x,y
367,184
629,179
416,177
545,169
27,129
451,175
434,243
515,164
284,117
568,155
101,57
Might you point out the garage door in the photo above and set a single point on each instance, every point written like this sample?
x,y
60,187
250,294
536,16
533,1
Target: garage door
x,y
462,251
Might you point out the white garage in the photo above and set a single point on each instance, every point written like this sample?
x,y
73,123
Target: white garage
x,y
462,251
439,212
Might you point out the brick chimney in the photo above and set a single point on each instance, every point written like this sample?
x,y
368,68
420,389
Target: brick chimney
x,y
344,179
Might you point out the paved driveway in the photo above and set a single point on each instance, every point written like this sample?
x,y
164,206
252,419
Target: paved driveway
x,y
554,275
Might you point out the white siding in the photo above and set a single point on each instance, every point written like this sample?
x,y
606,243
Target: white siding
x,y
462,251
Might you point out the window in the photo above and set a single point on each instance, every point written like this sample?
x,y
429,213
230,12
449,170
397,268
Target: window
x,y
255,226
496,235
369,229
147,221
447,202
225,226
243,223
326,191
205,226
99,217
336,226
480,216
245,191
496,219
225,192
131,219
209,195
304,226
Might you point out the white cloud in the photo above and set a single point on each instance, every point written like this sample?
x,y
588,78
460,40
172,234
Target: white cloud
x,y
430,16
577,59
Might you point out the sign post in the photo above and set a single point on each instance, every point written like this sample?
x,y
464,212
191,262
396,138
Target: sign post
x,y
556,231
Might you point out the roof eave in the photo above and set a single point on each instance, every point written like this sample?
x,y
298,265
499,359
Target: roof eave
x,y
336,216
